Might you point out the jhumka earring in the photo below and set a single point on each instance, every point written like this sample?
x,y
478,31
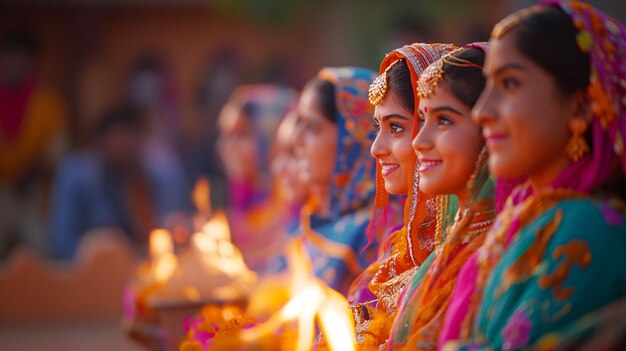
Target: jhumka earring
x,y
480,163
577,146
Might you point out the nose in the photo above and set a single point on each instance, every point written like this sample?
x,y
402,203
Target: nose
x,y
484,111
380,146
297,135
422,141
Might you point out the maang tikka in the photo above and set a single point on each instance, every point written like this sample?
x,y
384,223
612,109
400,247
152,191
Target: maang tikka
x,y
380,85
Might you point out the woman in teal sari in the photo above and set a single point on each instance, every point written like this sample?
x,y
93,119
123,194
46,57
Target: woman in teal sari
x,y
556,252
334,134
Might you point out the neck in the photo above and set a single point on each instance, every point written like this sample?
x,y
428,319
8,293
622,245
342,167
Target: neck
x,y
322,193
543,178
463,198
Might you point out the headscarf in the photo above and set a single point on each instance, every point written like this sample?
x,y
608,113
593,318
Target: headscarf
x,y
352,185
335,242
604,39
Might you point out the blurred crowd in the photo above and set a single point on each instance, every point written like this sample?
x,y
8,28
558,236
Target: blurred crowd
x,y
135,173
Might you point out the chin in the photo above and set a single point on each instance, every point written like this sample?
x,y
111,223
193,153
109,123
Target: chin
x,y
427,188
502,168
395,190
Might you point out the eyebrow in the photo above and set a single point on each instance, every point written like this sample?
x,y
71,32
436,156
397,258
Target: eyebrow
x,y
392,116
511,65
445,108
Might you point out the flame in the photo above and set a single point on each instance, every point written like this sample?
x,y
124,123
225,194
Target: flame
x,y
165,266
201,196
217,227
162,254
160,243
310,298
214,237
217,249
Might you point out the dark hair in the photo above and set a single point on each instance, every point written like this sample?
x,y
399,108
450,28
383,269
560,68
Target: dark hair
x,y
123,116
399,82
466,83
21,39
548,38
326,93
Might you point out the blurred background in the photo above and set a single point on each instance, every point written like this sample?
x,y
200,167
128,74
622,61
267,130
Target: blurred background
x,y
107,120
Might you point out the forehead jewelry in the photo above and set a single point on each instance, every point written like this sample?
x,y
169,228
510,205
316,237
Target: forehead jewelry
x,y
433,74
380,85
508,23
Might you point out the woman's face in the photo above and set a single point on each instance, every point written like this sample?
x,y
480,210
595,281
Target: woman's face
x,y
447,145
523,115
237,144
285,163
392,146
316,140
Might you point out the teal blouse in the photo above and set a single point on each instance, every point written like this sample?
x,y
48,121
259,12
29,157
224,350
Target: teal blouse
x,y
582,269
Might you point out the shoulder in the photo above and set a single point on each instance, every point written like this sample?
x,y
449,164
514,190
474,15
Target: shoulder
x,y
585,225
596,215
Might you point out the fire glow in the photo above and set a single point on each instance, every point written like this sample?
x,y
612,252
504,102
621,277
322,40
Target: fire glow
x,y
310,300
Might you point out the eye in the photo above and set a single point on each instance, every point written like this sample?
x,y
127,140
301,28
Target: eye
x,y
376,126
310,126
396,128
421,121
510,83
444,120
299,120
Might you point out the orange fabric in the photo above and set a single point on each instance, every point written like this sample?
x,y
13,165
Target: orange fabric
x,y
44,121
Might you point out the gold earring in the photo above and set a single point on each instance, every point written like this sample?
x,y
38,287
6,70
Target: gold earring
x,y
480,163
577,145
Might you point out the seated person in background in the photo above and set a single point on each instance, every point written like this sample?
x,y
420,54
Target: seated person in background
x,y
32,138
119,184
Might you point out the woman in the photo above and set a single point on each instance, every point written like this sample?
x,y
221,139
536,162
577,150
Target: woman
x,y
333,135
556,250
374,293
452,161
284,168
248,124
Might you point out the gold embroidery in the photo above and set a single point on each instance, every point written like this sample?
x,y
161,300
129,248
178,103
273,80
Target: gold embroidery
x,y
525,266
576,251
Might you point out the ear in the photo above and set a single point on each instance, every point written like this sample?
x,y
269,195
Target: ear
x,y
581,106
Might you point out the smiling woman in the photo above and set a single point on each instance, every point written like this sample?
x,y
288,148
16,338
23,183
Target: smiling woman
x,y
374,294
449,142
393,120
452,161
556,250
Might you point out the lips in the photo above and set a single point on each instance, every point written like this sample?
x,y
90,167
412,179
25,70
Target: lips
x,y
388,168
428,164
492,139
